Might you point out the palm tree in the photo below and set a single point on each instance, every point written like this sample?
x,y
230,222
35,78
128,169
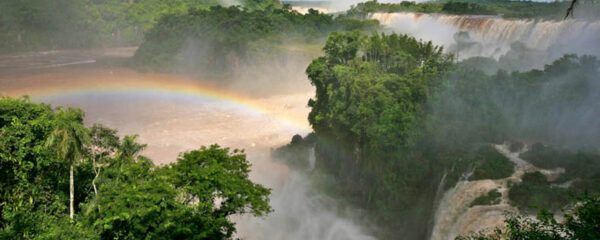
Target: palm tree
x,y
68,140
129,149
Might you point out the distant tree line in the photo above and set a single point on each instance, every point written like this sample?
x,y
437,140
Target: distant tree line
x,y
217,40
71,24
509,9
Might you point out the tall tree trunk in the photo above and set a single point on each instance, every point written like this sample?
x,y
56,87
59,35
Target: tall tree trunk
x,y
94,185
71,193
97,172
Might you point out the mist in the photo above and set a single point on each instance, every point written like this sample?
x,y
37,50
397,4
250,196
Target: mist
x,y
522,43
302,212
275,70
490,44
232,86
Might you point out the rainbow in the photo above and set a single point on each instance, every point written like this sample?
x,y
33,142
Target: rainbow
x,y
43,88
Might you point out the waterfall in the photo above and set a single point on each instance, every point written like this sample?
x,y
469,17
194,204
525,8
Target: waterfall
x,y
311,158
493,36
438,192
455,215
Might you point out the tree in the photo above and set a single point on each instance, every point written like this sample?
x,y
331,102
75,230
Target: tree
x,y
104,143
129,148
214,174
68,140
139,200
582,223
192,198
370,98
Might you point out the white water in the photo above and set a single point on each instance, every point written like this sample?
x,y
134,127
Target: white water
x,y
302,213
493,36
171,123
455,217
311,158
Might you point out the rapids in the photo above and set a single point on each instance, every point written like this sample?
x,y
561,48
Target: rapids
x,y
173,114
454,216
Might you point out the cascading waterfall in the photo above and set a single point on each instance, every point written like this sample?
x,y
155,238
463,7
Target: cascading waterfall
x,y
493,36
454,215
311,158
438,192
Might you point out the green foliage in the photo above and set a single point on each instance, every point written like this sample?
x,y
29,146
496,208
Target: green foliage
x,y
583,166
70,137
392,115
584,223
364,8
490,164
466,8
33,181
129,148
57,228
505,8
581,223
216,41
474,106
491,198
536,192
516,146
217,175
192,198
370,96
296,153
581,173
254,5
35,25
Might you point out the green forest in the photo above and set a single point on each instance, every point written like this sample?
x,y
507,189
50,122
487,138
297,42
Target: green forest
x,y
222,46
395,121
62,180
63,24
392,115
555,10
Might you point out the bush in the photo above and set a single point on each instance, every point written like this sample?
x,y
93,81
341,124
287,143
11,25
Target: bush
x,y
583,222
490,164
516,146
535,192
491,198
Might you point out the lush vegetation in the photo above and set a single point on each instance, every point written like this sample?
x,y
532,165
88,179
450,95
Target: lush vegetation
x,y
219,40
491,198
581,222
581,166
535,192
490,164
40,25
370,95
297,152
66,24
48,155
504,8
393,116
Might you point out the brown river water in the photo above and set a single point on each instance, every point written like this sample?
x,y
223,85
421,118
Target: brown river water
x,y
173,114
